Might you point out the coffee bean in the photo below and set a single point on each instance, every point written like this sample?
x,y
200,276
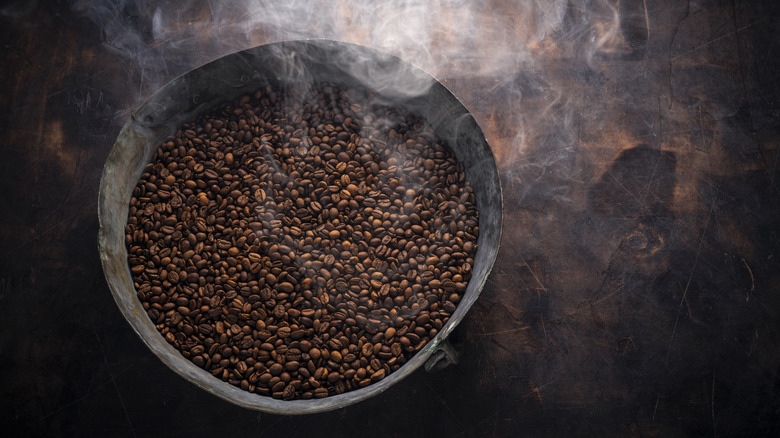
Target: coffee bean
x,y
205,329
377,376
293,354
289,392
295,246
333,377
199,361
277,387
275,369
283,332
285,287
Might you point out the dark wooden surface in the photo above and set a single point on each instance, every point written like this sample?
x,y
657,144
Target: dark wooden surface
x,y
637,290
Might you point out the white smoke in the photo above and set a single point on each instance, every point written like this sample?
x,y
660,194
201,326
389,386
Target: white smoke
x,y
455,41
457,36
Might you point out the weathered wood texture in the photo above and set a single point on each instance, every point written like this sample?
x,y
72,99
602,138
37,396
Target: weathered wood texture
x,y
637,289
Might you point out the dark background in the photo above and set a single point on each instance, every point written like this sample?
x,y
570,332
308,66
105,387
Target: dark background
x,y
637,290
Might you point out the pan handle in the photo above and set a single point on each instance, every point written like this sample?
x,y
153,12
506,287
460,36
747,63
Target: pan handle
x,y
444,356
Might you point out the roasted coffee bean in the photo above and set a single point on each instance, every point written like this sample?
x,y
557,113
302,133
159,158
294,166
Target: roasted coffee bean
x,y
303,243
285,287
377,376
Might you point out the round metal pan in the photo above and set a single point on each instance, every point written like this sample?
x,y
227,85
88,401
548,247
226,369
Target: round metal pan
x,y
225,79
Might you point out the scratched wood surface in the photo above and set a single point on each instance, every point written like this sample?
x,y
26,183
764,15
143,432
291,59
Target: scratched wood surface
x,y
637,289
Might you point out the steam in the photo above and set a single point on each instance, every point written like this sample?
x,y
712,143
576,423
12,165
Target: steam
x,y
511,43
455,36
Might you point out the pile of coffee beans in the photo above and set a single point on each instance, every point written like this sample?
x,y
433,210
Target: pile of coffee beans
x,y
302,241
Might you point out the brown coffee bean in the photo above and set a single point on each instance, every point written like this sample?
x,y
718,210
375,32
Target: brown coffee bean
x,y
205,329
329,260
275,369
283,332
199,361
377,376
320,373
285,287
277,387
308,260
293,354
289,392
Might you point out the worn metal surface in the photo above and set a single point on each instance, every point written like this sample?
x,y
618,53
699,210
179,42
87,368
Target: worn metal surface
x,y
293,62
637,289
